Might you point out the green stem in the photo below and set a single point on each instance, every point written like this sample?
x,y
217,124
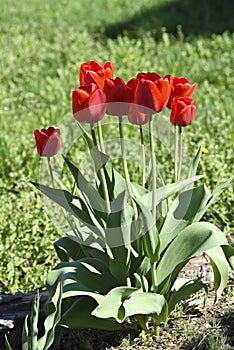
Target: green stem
x,y
142,155
154,277
180,154
70,221
51,172
100,137
156,331
176,153
101,172
125,165
153,164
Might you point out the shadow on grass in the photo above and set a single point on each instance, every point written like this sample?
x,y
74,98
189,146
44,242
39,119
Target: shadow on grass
x,y
90,339
200,17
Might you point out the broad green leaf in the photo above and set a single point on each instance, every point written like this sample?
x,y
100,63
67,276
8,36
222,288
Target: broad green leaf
x,y
89,193
229,253
80,315
141,282
166,191
120,183
87,137
26,340
119,264
64,199
110,182
193,240
195,162
34,322
61,197
118,237
215,194
144,303
8,345
112,304
100,159
188,288
144,267
52,320
138,191
119,222
220,267
149,231
87,274
67,248
182,213
84,236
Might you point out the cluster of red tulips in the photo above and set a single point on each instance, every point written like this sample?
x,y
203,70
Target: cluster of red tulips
x,y
148,93
139,98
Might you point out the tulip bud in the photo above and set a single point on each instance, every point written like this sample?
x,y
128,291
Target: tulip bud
x,y
183,111
47,141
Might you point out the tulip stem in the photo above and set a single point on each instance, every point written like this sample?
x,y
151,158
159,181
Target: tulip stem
x,y
125,165
100,136
51,172
180,146
70,221
176,153
99,169
142,155
154,277
153,164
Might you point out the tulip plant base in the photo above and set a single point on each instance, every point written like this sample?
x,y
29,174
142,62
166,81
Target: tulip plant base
x,y
191,326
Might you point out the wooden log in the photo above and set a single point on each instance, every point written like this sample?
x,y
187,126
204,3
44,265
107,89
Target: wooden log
x,y
13,310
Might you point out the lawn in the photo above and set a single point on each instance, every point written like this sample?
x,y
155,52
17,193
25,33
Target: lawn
x,y
42,45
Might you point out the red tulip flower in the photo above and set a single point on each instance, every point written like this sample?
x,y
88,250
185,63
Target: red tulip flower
x,y
136,117
180,87
94,72
88,103
47,141
183,111
119,96
152,94
148,76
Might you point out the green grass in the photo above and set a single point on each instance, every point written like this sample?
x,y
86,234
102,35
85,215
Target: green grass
x,y
42,45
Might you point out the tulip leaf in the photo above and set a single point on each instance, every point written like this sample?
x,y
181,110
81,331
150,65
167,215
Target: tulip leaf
x,y
144,304
149,232
100,159
184,291
141,282
195,162
193,240
84,275
112,304
8,346
67,248
182,213
213,197
89,193
87,137
61,197
80,315
52,319
220,268
64,199
166,191
229,253
26,339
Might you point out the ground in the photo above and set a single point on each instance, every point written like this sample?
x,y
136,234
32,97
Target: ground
x,y
191,327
